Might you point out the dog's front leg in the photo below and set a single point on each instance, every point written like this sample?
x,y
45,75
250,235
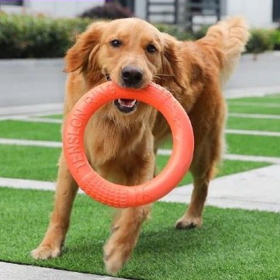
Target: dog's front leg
x,y
127,224
66,191
125,233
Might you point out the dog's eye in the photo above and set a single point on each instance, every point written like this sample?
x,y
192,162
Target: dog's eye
x,y
151,48
115,43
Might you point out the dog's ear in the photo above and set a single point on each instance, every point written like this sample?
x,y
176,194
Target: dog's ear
x,y
177,61
86,43
171,60
170,56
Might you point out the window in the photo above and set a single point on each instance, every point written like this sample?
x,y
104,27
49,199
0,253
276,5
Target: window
x,y
11,2
276,11
128,4
125,3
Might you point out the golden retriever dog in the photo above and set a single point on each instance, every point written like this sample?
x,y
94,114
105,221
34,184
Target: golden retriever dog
x,y
122,138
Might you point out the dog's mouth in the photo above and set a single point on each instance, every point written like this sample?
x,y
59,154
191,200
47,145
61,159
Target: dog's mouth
x,y
124,105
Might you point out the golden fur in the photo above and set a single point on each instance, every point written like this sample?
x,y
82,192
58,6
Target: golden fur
x,y
122,147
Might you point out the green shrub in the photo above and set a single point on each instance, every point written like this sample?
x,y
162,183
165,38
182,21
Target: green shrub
x,y
24,36
180,33
275,38
259,41
200,32
174,31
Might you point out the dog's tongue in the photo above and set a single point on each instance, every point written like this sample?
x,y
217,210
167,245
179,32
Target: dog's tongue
x,y
127,102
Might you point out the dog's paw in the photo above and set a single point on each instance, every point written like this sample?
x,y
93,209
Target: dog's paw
x,y
45,252
188,223
116,254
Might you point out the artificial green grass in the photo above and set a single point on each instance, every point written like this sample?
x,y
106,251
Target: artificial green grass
x,y
258,145
253,145
238,108
39,163
30,130
51,132
253,124
227,167
232,244
56,116
35,163
273,98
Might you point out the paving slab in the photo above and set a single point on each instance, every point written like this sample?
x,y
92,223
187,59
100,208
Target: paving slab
x,y
257,189
9,271
260,76
31,81
42,80
28,110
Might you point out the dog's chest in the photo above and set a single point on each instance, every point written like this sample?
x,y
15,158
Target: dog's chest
x,y
108,141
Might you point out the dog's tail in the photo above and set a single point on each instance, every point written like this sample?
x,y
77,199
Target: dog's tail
x,y
230,37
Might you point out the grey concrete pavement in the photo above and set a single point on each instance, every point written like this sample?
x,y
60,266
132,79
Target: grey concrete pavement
x,y
257,189
27,82
9,271
255,77
31,81
37,109
262,73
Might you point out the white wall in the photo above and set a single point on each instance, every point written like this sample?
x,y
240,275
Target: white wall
x,y
61,8
140,8
257,12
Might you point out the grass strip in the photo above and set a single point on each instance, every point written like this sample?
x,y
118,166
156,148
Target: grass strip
x,y
249,145
253,109
56,116
51,132
253,124
227,167
273,98
231,245
30,130
38,163
253,145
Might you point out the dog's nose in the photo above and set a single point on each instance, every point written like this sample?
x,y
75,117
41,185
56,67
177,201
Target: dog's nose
x,y
131,76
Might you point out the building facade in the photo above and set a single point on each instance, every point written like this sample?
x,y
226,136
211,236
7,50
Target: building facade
x,y
262,13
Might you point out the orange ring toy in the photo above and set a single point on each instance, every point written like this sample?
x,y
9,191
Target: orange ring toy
x,y
120,196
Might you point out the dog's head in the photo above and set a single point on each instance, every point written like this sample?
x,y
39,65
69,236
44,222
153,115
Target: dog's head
x,y
130,52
